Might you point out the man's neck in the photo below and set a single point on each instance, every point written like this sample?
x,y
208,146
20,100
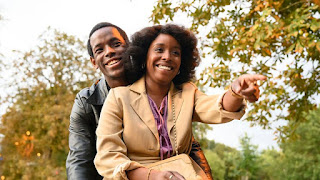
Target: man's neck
x,y
112,83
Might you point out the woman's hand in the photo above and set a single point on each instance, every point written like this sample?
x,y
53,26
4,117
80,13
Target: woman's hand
x,y
246,86
167,175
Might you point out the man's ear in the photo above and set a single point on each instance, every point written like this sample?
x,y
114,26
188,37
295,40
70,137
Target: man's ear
x,y
93,62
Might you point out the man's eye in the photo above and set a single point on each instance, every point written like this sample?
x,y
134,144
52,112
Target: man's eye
x,y
117,44
98,51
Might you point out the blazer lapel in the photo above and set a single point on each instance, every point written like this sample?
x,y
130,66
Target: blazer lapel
x,y
174,101
141,106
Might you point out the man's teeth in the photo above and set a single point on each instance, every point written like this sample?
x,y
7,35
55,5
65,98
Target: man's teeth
x,y
112,62
164,67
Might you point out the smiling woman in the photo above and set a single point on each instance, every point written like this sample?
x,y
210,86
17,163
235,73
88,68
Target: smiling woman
x,y
151,120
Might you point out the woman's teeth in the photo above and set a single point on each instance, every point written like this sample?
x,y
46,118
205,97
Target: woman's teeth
x,y
164,67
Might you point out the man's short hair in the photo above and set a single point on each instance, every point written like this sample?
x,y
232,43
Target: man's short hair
x,y
102,25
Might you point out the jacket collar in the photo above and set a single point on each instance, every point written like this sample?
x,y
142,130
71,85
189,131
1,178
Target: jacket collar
x,y
141,106
140,87
98,92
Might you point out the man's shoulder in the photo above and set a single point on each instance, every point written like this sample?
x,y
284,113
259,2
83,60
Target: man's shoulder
x,y
88,91
85,93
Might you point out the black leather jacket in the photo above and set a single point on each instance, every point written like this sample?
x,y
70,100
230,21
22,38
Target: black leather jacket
x,y
82,138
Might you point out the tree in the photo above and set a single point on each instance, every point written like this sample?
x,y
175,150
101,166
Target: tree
x,y
248,164
302,156
217,165
35,126
270,164
231,158
280,39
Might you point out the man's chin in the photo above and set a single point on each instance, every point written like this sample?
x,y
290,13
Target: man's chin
x,y
114,74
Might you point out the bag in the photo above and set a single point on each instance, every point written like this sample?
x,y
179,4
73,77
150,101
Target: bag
x,y
183,164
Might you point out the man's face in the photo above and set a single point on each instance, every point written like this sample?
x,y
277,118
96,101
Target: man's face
x,y
108,47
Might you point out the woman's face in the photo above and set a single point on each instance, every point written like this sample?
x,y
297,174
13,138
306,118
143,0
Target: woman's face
x,y
163,60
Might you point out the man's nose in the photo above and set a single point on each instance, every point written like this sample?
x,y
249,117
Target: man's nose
x,y
109,51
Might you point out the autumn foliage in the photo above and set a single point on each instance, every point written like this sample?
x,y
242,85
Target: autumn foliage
x,y
35,125
279,39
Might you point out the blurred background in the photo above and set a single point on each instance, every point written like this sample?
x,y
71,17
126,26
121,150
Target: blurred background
x,y
44,63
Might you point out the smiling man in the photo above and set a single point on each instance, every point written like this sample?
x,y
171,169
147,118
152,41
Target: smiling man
x,y
106,45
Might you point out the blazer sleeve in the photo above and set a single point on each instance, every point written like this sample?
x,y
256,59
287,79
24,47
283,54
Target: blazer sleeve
x,y
111,160
82,151
208,109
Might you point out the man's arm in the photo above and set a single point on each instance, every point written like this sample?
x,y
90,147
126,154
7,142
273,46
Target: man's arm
x,y
81,142
198,156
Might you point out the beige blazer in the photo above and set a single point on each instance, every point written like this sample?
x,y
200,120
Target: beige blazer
x,y
127,135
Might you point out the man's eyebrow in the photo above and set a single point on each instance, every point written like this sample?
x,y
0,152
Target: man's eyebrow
x,y
115,39
98,45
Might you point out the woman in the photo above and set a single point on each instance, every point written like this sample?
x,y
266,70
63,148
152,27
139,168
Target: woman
x,y
137,122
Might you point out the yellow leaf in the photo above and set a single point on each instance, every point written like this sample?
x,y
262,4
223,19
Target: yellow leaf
x,y
299,48
267,51
290,48
318,46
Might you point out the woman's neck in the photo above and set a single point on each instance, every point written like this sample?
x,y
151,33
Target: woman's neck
x,y
157,92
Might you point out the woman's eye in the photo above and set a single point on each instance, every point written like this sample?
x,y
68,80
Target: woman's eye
x,y
159,50
177,53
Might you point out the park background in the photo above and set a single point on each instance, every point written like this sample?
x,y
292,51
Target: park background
x,y
44,64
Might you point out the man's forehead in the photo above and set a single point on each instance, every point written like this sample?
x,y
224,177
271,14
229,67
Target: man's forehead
x,y
106,32
117,34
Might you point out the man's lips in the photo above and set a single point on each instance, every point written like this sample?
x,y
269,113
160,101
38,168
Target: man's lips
x,y
112,61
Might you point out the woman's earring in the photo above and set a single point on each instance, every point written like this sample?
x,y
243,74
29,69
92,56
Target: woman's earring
x,y
178,72
130,57
143,66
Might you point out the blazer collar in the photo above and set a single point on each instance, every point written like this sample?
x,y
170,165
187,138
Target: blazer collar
x,y
175,101
141,106
140,87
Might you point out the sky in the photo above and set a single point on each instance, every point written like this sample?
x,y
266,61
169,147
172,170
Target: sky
x,y
25,20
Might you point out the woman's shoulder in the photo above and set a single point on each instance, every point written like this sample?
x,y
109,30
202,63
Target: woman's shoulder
x,y
121,90
189,85
137,87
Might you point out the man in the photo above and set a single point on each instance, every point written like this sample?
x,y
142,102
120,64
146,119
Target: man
x,y
106,45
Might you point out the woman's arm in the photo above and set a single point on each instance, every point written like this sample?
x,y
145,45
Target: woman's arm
x,y
147,174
